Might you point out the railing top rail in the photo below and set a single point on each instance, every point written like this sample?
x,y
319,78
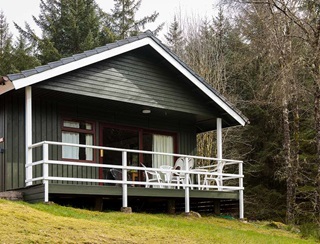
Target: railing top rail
x,y
131,151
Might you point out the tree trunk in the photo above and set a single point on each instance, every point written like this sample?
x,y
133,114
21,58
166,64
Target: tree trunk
x,y
317,126
316,78
289,169
296,141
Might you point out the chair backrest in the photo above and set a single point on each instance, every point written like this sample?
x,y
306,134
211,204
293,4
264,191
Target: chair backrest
x,y
146,172
191,163
180,163
220,166
117,174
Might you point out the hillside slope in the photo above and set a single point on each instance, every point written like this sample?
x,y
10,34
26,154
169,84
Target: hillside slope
x,y
40,223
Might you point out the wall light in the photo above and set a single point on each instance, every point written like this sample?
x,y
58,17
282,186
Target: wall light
x,y
146,111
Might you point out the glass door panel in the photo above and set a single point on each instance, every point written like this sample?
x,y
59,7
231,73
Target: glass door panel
x,y
119,138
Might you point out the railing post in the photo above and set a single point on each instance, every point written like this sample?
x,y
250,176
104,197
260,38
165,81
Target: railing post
x,y
186,190
28,133
124,179
45,152
241,204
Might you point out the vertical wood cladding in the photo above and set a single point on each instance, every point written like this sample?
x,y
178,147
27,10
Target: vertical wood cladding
x,y
2,128
134,79
47,118
14,137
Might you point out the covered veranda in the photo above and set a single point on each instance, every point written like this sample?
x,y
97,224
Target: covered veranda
x,y
219,179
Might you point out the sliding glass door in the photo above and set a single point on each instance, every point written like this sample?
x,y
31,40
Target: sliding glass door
x,y
137,138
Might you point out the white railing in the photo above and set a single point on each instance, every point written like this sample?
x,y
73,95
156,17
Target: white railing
x,y
204,175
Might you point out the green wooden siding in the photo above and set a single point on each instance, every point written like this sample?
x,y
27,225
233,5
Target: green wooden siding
x,y
132,79
47,117
187,143
47,125
34,194
14,140
2,128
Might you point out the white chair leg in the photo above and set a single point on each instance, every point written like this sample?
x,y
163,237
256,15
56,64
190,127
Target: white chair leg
x,y
191,182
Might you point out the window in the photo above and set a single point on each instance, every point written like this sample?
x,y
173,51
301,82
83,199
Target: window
x,y
162,143
77,132
154,141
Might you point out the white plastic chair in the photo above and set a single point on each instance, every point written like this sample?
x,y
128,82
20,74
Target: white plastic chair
x,y
117,175
209,178
152,176
179,177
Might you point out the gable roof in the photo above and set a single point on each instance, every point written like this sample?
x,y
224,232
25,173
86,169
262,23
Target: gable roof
x,y
53,69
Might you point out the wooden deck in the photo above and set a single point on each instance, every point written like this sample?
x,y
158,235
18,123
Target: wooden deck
x,y
138,192
36,193
174,197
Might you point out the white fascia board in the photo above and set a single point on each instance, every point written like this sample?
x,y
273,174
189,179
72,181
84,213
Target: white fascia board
x,y
33,79
198,83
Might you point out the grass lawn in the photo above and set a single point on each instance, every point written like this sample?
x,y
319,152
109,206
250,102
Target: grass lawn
x,y
41,223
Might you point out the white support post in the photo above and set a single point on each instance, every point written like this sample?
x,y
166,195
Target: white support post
x,y
219,148
124,178
187,190
45,156
241,204
28,133
219,138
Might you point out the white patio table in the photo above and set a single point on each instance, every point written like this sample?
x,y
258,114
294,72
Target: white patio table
x,y
167,174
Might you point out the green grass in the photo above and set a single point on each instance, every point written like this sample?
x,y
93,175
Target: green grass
x,y
41,223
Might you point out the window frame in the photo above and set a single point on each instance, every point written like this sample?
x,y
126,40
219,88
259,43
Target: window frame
x,y
83,131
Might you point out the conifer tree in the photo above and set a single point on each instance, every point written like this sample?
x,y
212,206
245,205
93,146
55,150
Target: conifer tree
x,y
175,38
14,57
123,19
68,27
22,55
5,46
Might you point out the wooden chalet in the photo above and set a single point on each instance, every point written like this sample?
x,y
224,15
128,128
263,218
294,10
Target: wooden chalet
x,y
65,125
